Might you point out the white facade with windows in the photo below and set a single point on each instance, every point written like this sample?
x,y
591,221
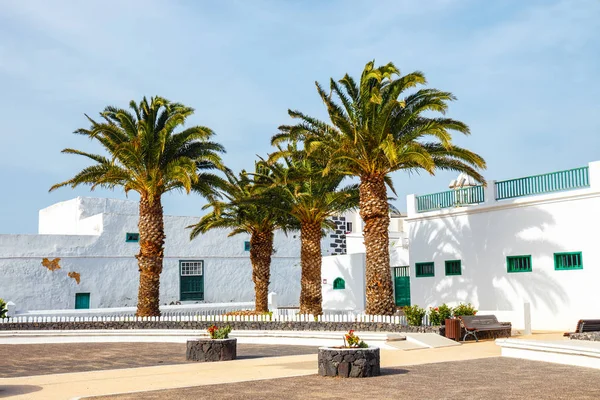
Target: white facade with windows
x,y
531,245
97,239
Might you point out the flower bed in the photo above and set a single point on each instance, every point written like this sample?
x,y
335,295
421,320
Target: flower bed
x,y
207,350
349,362
353,360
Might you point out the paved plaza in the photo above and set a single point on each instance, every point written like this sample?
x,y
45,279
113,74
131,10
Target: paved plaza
x,y
42,359
487,378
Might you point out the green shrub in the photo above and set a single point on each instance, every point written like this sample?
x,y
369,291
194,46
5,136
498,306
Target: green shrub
x,y
414,315
219,333
464,309
3,309
438,315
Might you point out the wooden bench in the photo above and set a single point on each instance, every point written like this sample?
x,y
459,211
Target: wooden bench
x,y
586,325
479,323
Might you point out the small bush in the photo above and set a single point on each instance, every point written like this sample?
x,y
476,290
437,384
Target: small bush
x,y
438,315
351,340
3,309
414,315
219,333
464,309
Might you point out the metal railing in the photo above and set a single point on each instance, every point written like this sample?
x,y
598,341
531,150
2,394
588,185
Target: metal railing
x,y
450,198
546,183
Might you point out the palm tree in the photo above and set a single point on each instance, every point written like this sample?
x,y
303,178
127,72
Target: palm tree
x,y
248,208
377,128
146,155
312,199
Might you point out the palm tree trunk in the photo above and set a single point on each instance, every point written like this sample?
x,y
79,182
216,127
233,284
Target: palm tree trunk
x,y
374,210
261,248
311,298
150,257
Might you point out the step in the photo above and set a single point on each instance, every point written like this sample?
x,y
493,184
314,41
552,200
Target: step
x,y
579,353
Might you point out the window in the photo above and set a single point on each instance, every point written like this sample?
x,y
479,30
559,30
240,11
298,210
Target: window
x,y
132,237
82,301
339,283
191,280
566,261
348,227
424,269
246,246
453,267
518,263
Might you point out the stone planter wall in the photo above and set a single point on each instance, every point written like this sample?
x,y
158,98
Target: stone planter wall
x,y
207,350
593,336
237,325
349,363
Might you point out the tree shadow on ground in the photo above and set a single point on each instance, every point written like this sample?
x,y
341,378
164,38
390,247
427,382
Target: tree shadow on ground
x,y
14,390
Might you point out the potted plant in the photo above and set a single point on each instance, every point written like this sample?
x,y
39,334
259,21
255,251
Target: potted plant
x,y
218,348
355,359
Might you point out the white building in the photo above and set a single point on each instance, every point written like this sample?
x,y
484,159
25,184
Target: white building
x,y
97,239
522,241
528,240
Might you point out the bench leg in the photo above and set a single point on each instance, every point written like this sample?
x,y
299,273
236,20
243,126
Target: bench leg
x,y
473,333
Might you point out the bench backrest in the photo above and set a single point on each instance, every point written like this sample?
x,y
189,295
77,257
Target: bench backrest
x,y
588,325
478,321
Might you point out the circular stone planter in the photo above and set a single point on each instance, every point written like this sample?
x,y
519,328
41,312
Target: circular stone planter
x,y
349,362
207,350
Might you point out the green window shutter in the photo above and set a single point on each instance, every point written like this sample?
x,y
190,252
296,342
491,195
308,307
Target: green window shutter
x,y
132,237
424,269
191,280
568,261
82,301
246,246
339,283
453,267
518,263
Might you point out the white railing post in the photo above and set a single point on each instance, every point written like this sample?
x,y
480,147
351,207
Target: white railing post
x,y
489,193
411,205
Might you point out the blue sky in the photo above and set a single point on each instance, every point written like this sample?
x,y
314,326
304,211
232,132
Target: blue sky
x,y
525,74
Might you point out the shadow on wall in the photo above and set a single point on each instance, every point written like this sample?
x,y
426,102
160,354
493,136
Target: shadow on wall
x,y
483,241
350,268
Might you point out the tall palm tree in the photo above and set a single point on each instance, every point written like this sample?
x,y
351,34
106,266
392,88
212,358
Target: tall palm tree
x,y
312,199
376,128
146,155
248,208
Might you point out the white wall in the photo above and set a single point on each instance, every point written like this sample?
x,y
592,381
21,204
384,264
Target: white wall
x,y
107,264
351,268
483,236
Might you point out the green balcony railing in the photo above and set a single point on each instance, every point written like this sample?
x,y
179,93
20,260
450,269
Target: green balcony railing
x,y
546,183
450,198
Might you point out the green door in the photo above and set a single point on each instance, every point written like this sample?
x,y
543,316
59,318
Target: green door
x,y
82,301
191,280
402,286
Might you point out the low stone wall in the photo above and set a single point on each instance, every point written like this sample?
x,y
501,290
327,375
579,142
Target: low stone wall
x,y
593,336
499,333
236,325
207,350
349,363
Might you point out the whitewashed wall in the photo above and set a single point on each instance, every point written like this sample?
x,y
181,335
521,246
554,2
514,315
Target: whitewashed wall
x,y
108,266
483,236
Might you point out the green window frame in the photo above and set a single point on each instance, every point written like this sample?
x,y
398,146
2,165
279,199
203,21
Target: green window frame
x,y
131,237
246,246
567,261
453,267
82,301
339,283
518,263
191,280
424,269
